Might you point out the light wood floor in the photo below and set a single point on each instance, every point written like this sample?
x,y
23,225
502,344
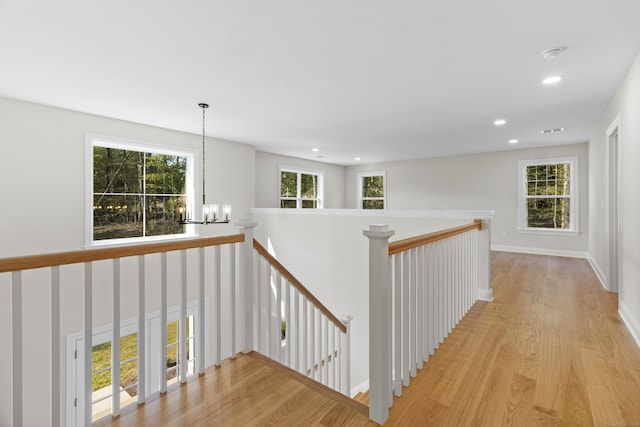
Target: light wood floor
x,y
549,350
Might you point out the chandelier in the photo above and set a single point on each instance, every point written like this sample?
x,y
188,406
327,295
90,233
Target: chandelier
x,y
210,213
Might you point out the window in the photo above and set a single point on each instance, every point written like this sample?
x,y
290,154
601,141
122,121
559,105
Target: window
x,y
300,189
371,190
137,190
101,377
548,195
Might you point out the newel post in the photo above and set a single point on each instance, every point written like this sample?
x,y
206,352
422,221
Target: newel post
x,y
245,289
379,322
485,293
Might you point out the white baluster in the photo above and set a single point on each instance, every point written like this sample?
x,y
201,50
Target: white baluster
x,y
288,323
115,341
405,318
163,323
142,364
276,315
297,332
233,289
413,309
88,343
217,284
55,346
304,336
16,347
182,333
397,313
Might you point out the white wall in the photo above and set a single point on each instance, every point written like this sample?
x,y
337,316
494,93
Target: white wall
x,y
42,211
625,105
330,258
486,181
268,179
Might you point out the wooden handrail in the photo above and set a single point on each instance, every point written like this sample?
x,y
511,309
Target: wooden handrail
x,y
63,258
299,286
417,241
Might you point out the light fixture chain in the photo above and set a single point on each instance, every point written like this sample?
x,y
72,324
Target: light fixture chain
x,y
204,198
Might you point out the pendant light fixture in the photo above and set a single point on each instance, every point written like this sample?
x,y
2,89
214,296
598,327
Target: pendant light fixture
x,y
210,213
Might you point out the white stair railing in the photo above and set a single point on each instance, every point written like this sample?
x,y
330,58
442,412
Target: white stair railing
x,y
294,328
420,288
158,275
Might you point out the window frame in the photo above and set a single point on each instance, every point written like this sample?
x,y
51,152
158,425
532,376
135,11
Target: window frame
x,y
359,194
574,192
299,172
93,140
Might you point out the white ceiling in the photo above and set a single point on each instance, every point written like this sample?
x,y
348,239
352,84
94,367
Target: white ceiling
x,y
381,80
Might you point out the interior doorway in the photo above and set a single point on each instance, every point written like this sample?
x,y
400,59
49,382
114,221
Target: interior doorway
x,y
613,202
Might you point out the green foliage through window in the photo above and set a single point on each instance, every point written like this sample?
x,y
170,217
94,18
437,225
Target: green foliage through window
x,y
299,190
548,198
372,191
136,193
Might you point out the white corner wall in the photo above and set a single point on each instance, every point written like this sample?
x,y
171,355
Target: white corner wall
x,y
267,182
626,105
487,181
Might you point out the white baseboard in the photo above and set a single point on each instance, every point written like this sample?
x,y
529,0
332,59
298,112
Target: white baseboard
x,y
596,269
540,251
632,324
360,388
485,295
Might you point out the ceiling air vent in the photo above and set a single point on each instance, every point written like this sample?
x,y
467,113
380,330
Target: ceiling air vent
x,y
554,130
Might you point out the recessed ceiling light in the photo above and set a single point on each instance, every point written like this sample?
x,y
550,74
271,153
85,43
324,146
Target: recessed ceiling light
x,y
315,150
553,53
551,80
513,141
357,158
500,122
554,130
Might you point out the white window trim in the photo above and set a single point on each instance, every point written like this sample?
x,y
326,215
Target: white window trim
x,y
359,195
573,204
105,141
298,170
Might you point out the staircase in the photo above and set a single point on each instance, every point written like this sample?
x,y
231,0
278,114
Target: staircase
x,y
248,390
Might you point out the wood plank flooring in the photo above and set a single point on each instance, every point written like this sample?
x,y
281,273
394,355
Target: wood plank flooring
x,y
549,350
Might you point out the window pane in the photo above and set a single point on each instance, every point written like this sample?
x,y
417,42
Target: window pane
x,y
548,213
116,217
288,204
288,184
117,171
172,349
101,366
129,363
309,185
309,204
536,188
373,186
165,174
161,215
373,204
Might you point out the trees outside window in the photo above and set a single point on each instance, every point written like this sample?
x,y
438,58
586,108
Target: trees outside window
x,y
137,190
300,189
371,190
548,195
